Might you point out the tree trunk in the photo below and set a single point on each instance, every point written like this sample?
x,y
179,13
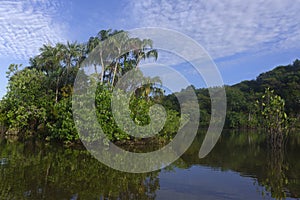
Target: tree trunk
x,y
56,91
114,73
103,70
95,67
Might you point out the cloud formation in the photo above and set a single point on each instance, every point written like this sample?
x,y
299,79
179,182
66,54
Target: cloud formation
x,y
26,25
227,27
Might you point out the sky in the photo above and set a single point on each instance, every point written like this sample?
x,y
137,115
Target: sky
x,y
243,38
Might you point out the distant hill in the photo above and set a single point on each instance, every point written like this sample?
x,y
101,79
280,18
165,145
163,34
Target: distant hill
x,y
241,97
284,80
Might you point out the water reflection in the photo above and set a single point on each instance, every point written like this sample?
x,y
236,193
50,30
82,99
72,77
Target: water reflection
x,y
34,171
277,170
50,172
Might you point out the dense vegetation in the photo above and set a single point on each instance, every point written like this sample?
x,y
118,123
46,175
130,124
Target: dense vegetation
x,y
284,80
39,97
242,109
38,101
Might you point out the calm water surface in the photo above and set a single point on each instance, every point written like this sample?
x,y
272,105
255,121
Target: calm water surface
x,y
239,167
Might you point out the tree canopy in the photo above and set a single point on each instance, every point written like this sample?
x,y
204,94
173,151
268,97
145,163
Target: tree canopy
x,y
38,100
39,97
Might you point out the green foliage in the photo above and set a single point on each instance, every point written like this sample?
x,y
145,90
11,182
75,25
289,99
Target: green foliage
x,y
241,98
105,116
237,107
271,112
39,95
61,126
273,118
25,105
284,80
139,109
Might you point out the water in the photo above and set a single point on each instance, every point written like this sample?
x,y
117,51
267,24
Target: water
x,y
239,167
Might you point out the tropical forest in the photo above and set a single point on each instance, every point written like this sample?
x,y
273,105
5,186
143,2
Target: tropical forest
x,y
42,155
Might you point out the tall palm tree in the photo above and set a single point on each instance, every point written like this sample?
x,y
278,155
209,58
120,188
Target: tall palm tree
x,y
142,49
73,54
49,61
120,43
91,45
59,63
100,50
119,53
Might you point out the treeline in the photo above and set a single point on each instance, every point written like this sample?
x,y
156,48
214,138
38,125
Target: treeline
x,y
242,107
39,96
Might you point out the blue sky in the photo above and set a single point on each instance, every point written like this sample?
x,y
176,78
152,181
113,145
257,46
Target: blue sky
x,y
244,39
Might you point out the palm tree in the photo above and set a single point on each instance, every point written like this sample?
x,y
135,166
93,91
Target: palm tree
x,y
49,61
142,50
59,63
120,43
91,45
73,54
132,48
116,53
99,50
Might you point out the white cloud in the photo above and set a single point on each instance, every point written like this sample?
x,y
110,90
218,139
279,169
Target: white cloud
x,y
226,27
26,25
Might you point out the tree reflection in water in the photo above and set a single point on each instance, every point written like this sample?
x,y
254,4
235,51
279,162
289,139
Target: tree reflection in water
x,y
49,172
38,171
276,169
276,180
